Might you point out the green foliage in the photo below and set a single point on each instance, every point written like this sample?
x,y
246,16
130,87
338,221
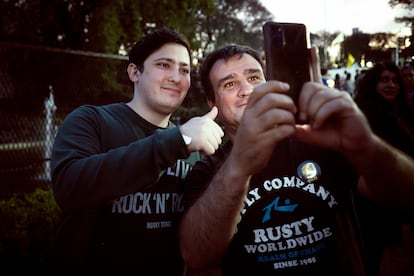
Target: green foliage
x,y
102,26
28,223
105,29
230,21
405,3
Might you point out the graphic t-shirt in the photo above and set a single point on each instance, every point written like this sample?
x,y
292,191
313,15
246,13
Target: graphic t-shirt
x,y
297,216
118,180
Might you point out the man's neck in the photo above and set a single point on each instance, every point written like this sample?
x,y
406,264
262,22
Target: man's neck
x,y
148,114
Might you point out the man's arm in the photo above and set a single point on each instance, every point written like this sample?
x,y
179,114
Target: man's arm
x,y
387,175
336,122
208,226
93,156
86,174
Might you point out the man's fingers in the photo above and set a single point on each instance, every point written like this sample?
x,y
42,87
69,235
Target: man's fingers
x,y
316,68
212,114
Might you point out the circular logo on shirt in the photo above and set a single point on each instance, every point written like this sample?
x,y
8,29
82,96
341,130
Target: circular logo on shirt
x,y
309,171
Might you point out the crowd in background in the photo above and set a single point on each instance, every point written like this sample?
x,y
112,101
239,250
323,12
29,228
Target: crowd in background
x,y
347,80
135,188
385,94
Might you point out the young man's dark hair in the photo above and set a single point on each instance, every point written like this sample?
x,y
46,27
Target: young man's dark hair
x,y
112,169
223,53
152,42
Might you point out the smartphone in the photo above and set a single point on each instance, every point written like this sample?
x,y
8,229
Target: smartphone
x,y
287,54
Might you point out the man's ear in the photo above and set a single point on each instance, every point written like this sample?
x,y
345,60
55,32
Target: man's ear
x,y
210,103
133,72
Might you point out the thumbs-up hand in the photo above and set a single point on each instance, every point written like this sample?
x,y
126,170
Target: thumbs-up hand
x,y
204,132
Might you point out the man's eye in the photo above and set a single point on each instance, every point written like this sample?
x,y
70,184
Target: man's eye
x,y
164,65
253,78
229,84
185,70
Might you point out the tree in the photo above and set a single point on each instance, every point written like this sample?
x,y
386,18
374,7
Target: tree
x,y
357,45
234,21
408,5
55,23
321,40
103,26
106,25
409,20
99,26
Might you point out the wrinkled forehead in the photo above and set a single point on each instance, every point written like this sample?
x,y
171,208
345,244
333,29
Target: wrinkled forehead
x,y
233,67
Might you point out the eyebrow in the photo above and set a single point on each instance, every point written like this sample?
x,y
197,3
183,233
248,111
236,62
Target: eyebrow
x,y
247,71
172,61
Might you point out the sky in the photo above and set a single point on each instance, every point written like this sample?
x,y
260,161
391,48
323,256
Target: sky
x,y
370,16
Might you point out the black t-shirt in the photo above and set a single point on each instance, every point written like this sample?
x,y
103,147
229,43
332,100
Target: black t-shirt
x,y
298,215
118,181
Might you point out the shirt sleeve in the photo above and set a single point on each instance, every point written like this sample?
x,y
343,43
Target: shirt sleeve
x,y
202,174
86,174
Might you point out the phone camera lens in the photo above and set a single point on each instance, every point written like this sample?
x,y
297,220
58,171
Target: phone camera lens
x,y
278,39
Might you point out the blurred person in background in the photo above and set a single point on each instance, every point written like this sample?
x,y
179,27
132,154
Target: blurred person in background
x,y
338,82
325,76
349,84
359,77
382,97
407,75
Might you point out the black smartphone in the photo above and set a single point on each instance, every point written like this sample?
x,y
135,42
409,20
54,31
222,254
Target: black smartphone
x,y
287,54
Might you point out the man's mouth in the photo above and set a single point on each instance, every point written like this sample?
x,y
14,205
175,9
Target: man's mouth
x,y
172,89
242,104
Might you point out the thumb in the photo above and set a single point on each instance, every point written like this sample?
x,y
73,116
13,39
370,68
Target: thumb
x,y
212,114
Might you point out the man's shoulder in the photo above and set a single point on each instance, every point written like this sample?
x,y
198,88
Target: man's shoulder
x,y
89,109
92,113
110,106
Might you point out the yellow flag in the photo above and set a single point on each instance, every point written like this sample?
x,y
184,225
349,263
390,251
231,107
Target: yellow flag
x,y
350,61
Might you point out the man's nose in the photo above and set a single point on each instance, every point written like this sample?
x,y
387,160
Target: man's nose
x,y
245,89
174,76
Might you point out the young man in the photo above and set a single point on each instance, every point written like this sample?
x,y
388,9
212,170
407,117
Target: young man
x,y
118,169
277,198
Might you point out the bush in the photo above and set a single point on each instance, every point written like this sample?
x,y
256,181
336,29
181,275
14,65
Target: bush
x,y
28,224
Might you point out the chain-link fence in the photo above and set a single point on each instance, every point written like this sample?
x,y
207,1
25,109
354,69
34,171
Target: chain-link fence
x,y
38,87
25,148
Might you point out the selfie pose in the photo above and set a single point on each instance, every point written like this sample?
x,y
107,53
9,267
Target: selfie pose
x,y
117,169
383,99
277,198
